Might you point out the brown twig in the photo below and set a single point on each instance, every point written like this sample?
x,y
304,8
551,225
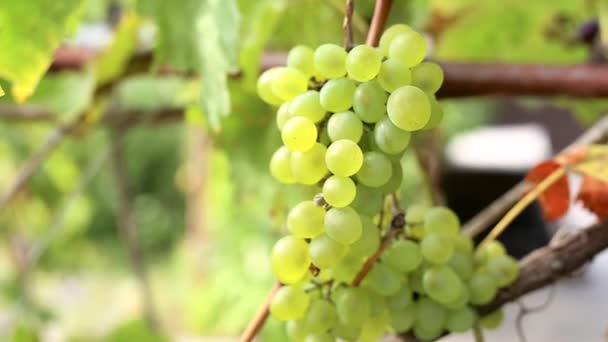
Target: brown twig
x,y
347,25
381,11
26,114
260,317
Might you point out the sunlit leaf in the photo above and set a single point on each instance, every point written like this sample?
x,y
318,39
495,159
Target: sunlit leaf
x,y
65,94
595,164
594,196
112,62
554,201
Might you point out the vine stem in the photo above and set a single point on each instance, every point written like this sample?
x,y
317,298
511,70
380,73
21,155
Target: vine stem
x,y
478,333
381,11
347,25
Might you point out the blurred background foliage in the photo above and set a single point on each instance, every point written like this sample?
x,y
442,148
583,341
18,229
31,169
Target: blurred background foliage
x,y
207,209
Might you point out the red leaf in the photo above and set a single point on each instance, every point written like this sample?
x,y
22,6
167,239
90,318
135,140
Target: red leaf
x,y
554,201
594,196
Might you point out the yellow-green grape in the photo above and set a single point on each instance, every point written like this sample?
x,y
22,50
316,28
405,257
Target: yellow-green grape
x,y
305,220
320,337
460,302
409,108
363,63
369,241
321,316
264,87
436,114
325,252
296,330
394,74
378,303
301,57
394,183
290,259
346,332
280,167
482,288
463,243
437,248
299,134
441,220
288,83
345,125
344,158
339,191
283,114
383,280
353,305
330,61
343,225
415,280
389,34
492,320
504,268
462,263
337,94
430,315
489,250
368,201
400,300
442,284
403,319
309,167
403,255
308,105
346,270
409,47
373,328
289,303
369,101
461,320
427,76
376,169
389,138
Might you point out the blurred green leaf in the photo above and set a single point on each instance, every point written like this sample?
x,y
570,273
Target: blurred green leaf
x,y
135,330
112,62
65,94
153,92
30,31
23,332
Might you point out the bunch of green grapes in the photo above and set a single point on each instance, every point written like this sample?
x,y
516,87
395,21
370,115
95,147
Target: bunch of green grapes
x,y
346,119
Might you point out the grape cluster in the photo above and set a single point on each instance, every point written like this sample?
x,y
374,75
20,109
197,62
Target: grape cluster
x,y
346,119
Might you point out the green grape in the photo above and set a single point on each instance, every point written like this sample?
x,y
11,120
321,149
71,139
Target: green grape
x,y
308,105
427,76
394,183
346,332
409,108
283,114
299,134
345,125
400,300
363,63
436,114
504,268
343,225
415,280
492,320
324,137
394,74
390,138
337,94
437,248
461,320
403,255
353,306
288,83
369,100
305,220
489,250
280,167
408,47
289,303
441,220
373,328
430,315
325,252
415,214
463,243
425,334
346,270
320,337
384,280
369,241
309,167
296,330
442,284
301,57
344,158
339,191
290,259
264,87
403,319
378,303
321,316
330,61
389,34
482,288
462,264
460,302
368,201
376,169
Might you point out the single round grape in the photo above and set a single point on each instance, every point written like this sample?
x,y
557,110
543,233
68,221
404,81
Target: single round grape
x,y
400,300
489,250
442,284
376,169
408,47
353,306
369,241
427,76
463,243
337,94
330,61
389,34
296,330
437,248
415,214
264,87
320,337
339,191
462,264
345,125
343,225
426,334
325,252
301,57
280,167
344,158
378,302
403,319
460,302
409,108
308,105
389,138
369,101
290,259
348,267
394,183
368,201
492,320
373,328
283,114
289,303
383,280
288,83
430,315
482,288
299,134
394,74
403,255
436,114
305,220
309,167
504,268
441,220
363,63
346,332
461,320
321,316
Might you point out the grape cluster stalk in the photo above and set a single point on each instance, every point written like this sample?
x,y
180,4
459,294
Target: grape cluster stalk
x,y
346,119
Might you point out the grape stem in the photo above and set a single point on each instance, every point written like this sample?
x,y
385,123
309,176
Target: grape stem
x,y
347,25
478,333
260,317
381,11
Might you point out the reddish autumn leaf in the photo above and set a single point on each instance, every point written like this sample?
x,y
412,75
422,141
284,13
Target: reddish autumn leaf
x,y
594,196
554,201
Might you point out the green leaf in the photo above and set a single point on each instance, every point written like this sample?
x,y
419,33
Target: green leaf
x,y
66,94
1,92
30,31
151,92
135,330
112,62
